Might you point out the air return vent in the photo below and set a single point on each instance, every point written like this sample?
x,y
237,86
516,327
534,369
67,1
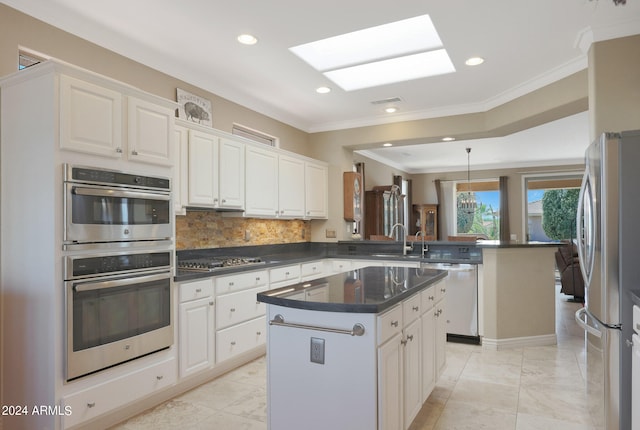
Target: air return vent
x,y
387,101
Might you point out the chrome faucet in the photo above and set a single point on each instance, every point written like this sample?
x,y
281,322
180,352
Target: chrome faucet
x,y
425,247
405,248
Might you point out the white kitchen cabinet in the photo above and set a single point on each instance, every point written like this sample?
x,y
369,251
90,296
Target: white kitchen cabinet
x,y
180,185
92,122
412,370
261,180
238,307
99,399
441,327
216,171
390,381
196,326
90,118
240,338
291,188
316,190
284,275
311,270
317,294
150,132
428,320
341,266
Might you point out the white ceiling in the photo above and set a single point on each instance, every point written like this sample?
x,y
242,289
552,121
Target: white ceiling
x,y
526,45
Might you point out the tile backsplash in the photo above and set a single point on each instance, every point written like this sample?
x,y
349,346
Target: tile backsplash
x,y
209,229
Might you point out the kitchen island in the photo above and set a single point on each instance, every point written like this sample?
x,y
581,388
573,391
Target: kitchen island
x,y
356,350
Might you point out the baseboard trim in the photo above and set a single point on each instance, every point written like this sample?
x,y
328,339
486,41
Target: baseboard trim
x,y
519,342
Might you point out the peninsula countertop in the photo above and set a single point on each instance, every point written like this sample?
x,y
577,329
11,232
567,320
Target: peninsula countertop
x,y
365,290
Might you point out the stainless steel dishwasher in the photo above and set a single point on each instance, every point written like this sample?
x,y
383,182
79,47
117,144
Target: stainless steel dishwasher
x,y
462,288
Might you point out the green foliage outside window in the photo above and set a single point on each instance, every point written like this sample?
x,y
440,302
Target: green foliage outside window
x,y
559,209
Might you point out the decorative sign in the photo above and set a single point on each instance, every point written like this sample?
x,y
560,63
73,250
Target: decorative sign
x,y
194,108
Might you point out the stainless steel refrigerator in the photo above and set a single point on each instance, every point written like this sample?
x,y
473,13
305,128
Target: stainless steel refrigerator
x,y
608,226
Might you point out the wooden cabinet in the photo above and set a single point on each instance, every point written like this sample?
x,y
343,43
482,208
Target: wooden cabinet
x,y
384,207
216,171
427,220
92,121
196,326
316,190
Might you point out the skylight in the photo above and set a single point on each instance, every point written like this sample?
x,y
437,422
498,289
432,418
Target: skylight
x,y
394,52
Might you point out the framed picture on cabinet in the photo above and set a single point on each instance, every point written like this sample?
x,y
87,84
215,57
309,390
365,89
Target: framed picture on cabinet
x,y
194,108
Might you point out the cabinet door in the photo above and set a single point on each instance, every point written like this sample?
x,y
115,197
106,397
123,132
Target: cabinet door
x,y
203,172
390,383
196,336
316,191
318,295
412,371
240,338
261,175
428,321
441,337
238,307
150,132
290,187
231,169
90,118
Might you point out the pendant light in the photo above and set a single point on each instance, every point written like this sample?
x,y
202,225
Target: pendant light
x,y
467,202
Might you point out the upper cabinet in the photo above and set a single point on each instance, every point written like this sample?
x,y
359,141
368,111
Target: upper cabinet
x,y
291,191
261,182
215,171
109,122
316,190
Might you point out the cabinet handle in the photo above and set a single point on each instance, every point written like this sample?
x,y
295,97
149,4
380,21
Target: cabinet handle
x,y
232,309
211,303
119,151
416,308
159,377
410,337
444,290
431,298
403,341
231,284
394,323
91,405
233,342
258,278
198,290
224,200
259,333
134,152
286,273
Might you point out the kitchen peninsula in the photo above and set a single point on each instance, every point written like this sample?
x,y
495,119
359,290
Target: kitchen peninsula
x,y
360,349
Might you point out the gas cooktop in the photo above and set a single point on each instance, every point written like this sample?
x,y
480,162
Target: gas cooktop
x,y
213,263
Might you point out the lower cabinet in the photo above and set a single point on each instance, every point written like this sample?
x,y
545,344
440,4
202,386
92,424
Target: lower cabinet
x,y
102,398
196,327
240,338
390,380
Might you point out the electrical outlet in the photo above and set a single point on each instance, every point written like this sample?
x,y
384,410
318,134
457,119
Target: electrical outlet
x,y
330,232
317,350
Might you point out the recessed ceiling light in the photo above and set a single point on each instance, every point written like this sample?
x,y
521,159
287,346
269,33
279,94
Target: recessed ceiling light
x,y
391,109
323,90
387,144
247,39
474,61
448,139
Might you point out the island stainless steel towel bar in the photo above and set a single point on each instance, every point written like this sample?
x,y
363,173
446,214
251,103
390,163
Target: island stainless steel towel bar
x,y
357,330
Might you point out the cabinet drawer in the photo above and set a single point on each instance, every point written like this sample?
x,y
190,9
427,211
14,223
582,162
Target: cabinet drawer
x,y
196,290
312,269
240,338
285,273
440,290
341,266
411,309
428,298
238,307
102,398
241,281
389,323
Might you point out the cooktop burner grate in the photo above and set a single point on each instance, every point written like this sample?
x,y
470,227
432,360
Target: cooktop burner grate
x,y
210,264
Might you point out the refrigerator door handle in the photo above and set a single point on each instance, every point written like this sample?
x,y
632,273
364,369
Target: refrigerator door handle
x,y
582,312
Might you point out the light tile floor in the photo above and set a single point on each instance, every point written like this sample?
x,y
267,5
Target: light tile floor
x,y
532,388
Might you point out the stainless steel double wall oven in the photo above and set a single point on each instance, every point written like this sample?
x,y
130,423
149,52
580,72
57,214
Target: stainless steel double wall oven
x,y
118,230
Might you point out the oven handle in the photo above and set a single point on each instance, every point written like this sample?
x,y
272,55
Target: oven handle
x,y
91,286
99,192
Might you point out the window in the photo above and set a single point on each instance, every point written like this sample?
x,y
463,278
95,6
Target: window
x,y
485,220
254,135
550,207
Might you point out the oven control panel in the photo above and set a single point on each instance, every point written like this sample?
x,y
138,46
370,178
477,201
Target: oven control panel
x,y
78,267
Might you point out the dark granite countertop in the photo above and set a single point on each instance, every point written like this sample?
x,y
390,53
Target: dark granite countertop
x,y
366,290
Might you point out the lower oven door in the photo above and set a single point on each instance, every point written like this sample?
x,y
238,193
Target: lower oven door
x,y
111,320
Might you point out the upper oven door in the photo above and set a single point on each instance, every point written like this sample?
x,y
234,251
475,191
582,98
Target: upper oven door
x,y
113,214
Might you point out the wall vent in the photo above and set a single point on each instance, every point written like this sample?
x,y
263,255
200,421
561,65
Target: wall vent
x,y
387,101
